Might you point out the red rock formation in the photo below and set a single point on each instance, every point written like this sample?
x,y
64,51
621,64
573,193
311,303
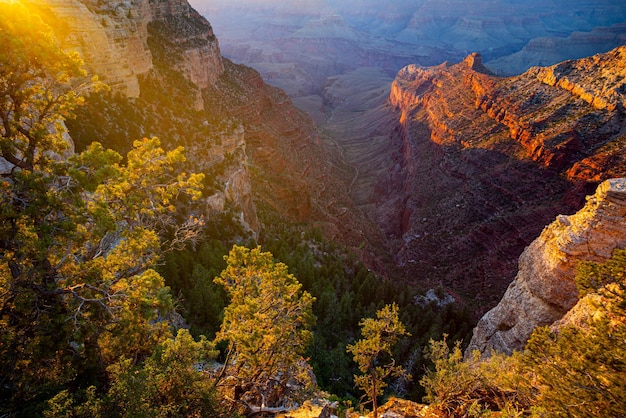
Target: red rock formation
x,y
494,159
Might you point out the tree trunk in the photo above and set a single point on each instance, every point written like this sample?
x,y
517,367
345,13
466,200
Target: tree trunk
x,y
374,402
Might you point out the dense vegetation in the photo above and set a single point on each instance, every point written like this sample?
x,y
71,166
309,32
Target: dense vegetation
x,y
345,292
89,326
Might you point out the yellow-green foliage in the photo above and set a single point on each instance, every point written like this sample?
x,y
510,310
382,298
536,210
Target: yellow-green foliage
x,y
373,352
266,326
80,236
581,371
458,387
577,371
170,383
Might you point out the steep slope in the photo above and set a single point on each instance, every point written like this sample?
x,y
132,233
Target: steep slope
x,y
474,168
292,173
491,160
157,58
544,289
257,149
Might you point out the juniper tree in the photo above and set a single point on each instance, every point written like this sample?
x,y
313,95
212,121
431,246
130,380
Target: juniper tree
x,y
373,353
266,325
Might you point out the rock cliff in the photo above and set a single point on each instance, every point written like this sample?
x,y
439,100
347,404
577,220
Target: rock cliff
x,y
113,38
292,174
159,56
255,147
490,161
544,289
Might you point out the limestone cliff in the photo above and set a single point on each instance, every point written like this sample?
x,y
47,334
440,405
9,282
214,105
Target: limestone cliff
x,y
159,55
544,289
253,145
113,38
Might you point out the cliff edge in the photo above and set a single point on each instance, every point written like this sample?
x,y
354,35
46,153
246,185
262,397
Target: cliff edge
x,y
544,289
119,41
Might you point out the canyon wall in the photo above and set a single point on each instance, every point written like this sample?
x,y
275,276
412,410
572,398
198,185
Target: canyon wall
x,y
113,39
544,289
253,145
491,161
137,48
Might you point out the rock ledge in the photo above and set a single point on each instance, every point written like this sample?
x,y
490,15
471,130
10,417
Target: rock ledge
x,y
544,289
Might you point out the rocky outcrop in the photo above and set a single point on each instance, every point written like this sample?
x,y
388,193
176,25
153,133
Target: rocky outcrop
x,y
189,40
114,39
590,79
475,63
544,289
490,161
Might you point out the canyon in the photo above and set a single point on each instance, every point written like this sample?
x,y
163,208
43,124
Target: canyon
x,y
389,160
459,169
297,45
163,64
432,172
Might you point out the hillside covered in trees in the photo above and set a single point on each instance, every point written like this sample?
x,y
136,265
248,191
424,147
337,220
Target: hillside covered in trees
x,y
102,253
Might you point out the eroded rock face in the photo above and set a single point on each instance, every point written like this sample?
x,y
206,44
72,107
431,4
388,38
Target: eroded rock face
x,y
490,161
590,79
544,289
113,39
127,43
189,40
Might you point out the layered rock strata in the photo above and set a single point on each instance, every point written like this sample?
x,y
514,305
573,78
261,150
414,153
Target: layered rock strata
x,y
113,39
490,161
139,48
544,289
255,147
